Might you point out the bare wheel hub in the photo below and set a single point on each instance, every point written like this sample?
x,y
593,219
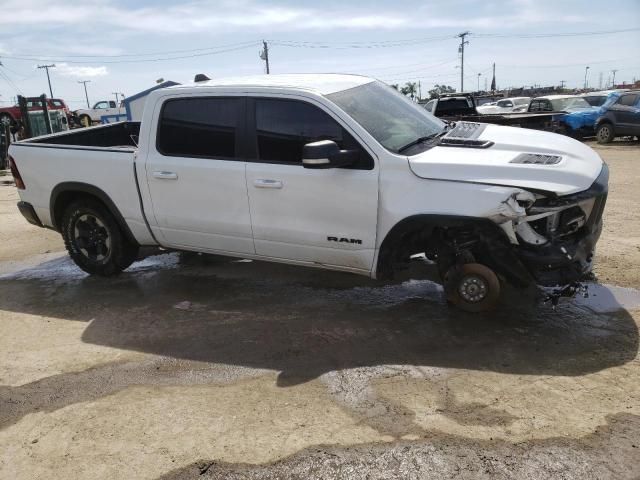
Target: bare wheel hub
x,y
473,288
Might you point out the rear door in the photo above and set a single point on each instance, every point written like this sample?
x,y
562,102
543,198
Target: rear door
x,y
196,175
626,114
325,217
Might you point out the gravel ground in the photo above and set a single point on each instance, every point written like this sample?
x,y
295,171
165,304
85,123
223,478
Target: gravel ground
x,y
190,366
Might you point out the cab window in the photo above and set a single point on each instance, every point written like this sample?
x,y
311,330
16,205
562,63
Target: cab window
x,y
283,127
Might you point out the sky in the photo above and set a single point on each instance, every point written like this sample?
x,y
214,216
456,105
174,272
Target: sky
x,y
125,46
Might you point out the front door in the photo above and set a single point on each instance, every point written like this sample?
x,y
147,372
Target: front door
x,y
195,176
325,217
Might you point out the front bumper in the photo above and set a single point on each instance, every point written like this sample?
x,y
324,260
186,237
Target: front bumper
x,y
29,213
568,260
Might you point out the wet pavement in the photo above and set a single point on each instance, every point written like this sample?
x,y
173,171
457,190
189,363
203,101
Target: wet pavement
x,y
189,364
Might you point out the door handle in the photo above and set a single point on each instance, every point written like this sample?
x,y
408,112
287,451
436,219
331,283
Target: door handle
x,y
165,175
266,183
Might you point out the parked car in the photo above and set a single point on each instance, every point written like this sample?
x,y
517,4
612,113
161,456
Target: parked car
x,y
87,116
13,116
507,105
578,118
339,172
619,117
461,106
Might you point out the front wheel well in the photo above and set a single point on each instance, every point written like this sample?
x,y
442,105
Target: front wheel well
x,y
447,239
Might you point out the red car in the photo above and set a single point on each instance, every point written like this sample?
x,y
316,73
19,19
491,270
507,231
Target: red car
x,y
13,116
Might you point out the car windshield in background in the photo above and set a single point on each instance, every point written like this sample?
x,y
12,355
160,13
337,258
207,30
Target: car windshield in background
x,y
390,117
560,104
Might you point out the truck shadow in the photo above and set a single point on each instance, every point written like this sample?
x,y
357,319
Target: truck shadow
x,y
303,323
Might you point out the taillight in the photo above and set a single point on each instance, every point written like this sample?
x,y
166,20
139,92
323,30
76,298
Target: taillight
x,y
16,174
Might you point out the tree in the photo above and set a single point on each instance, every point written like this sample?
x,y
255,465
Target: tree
x,y
394,85
438,89
411,89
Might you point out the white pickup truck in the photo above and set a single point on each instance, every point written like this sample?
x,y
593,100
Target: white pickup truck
x,y
332,171
87,116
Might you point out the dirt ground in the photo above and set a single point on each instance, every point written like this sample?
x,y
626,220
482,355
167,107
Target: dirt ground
x,y
189,366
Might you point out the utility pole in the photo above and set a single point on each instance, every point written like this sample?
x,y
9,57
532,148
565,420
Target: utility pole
x,y
116,94
84,82
419,90
562,82
613,82
586,70
479,81
264,54
600,82
463,42
47,67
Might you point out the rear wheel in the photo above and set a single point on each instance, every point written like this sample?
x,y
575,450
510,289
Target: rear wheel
x,y
605,133
85,120
472,287
6,119
94,239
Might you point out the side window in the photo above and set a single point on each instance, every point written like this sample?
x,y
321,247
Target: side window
x,y
430,106
283,127
112,104
101,105
627,100
534,106
199,127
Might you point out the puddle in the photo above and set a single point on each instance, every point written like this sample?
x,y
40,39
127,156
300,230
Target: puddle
x,y
605,298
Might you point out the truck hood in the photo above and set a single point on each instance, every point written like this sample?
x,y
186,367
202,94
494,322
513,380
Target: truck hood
x,y
576,170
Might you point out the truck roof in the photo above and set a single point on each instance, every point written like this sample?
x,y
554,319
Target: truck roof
x,y
323,83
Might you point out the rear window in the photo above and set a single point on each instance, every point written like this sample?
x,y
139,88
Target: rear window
x,y
199,127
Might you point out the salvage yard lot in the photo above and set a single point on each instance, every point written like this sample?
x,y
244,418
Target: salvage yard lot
x,y
188,366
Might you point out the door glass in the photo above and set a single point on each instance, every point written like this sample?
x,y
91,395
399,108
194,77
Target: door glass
x,y
627,100
101,105
199,127
283,127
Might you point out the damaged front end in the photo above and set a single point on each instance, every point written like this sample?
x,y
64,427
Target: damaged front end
x,y
555,237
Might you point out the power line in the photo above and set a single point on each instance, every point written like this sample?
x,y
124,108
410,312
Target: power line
x,y
147,54
550,35
144,60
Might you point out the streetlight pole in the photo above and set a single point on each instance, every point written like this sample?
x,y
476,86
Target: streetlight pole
x,y
586,70
479,81
84,82
47,67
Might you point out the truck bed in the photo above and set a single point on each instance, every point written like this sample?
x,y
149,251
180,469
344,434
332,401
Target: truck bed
x,y
102,156
116,135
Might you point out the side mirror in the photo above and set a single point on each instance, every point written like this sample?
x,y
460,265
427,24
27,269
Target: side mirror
x,y
327,154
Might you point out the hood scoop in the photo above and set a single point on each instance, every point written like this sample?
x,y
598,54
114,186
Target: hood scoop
x,y
465,134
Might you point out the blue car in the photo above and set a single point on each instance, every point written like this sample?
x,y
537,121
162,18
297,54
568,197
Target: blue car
x,y
578,117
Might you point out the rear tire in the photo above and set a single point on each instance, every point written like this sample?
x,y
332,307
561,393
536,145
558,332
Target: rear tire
x,y
605,133
85,120
472,287
94,239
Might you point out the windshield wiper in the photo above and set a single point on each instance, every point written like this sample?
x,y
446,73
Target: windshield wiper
x,y
424,139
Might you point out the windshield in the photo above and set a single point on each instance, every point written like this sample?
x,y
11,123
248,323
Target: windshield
x,y
560,104
390,117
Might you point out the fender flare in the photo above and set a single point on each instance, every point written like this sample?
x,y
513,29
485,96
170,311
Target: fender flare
x,y
92,190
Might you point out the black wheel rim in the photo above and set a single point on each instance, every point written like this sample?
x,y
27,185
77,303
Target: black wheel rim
x,y
92,238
